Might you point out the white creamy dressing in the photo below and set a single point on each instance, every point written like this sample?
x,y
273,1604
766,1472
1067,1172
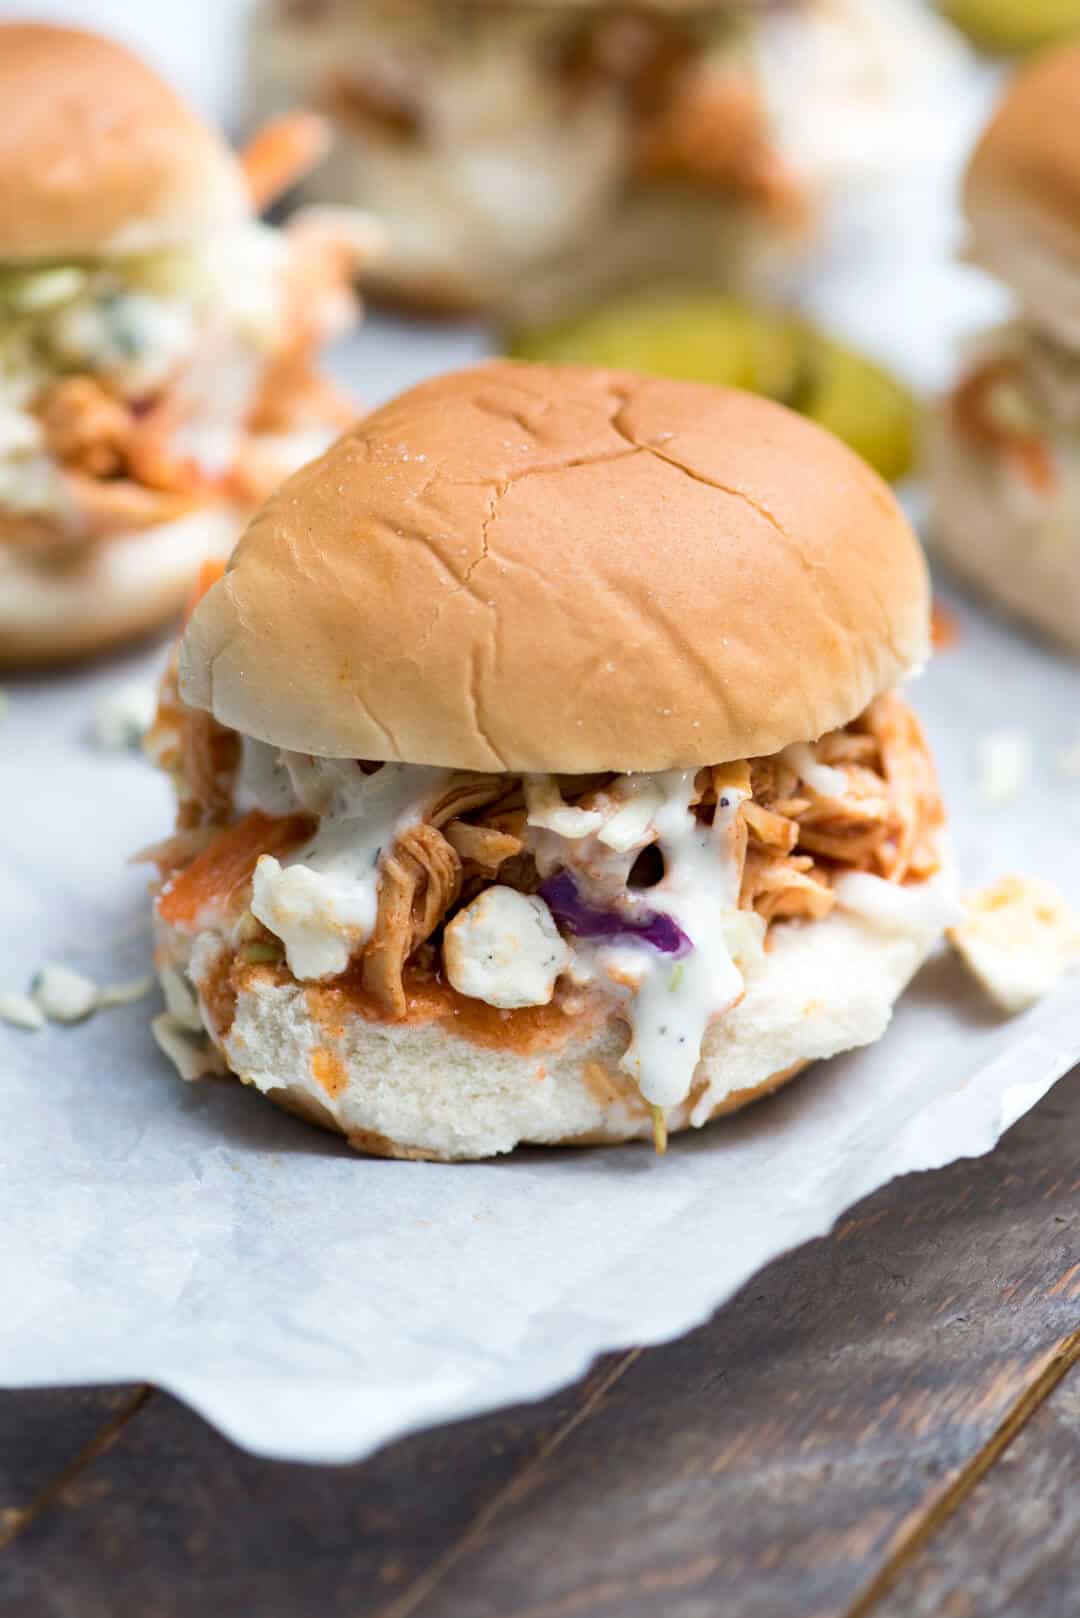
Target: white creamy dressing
x,y
213,398
639,799
599,845
134,338
932,905
546,809
826,781
504,947
323,900
135,323
677,999
263,780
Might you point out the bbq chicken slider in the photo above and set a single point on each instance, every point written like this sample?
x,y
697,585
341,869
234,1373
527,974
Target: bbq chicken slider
x,y
156,341
1004,449
528,157
542,776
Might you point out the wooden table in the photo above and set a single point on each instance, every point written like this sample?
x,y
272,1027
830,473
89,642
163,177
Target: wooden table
x,y
886,1422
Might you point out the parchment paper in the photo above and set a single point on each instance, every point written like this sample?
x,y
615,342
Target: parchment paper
x,y
314,1304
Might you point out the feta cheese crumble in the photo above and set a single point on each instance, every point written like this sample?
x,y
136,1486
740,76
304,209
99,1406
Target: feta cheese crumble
x,y
123,715
1018,939
64,995
506,949
1004,765
19,1011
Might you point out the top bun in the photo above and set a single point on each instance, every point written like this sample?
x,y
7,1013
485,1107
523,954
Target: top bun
x,y
99,156
1022,188
565,569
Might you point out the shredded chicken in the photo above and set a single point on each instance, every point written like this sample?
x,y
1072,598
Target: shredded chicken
x,y
790,839
774,833
419,881
484,846
715,132
86,427
210,756
114,465
912,782
199,754
784,887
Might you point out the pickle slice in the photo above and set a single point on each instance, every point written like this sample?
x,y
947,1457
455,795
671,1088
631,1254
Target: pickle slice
x,y
33,290
1012,26
696,337
860,402
707,337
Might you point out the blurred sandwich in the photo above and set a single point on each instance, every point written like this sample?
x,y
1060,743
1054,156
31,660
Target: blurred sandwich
x,y
157,343
527,157
1004,449
541,772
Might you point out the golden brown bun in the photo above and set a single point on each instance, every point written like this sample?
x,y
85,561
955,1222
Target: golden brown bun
x,y
558,568
1022,188
117,592
295,1099
99,156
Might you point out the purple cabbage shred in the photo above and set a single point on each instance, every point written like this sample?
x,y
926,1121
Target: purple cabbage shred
x,y
574,915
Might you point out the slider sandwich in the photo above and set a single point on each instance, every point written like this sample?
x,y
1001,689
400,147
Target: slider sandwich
x,y
1004,448
526,157
157,343
542,774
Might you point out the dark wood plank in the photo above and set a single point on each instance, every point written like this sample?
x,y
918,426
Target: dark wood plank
x,y
43,1433
1013,1545
767,1466
174,1520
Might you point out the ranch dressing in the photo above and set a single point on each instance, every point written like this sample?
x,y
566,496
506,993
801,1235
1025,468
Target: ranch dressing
x,y
677,998
322,902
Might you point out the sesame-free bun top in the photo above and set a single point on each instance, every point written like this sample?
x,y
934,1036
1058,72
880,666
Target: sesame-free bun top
x,y
99,156
558,568
1022,187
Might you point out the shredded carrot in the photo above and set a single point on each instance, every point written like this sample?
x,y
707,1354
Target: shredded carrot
x,y
944,627
209,573
214,875
281,153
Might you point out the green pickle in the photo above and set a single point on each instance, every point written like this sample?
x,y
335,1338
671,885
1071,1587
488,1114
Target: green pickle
x,y
861,403
708,337
39,287
1014,26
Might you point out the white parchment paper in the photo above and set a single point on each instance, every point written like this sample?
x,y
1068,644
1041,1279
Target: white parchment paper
x,y
314,1304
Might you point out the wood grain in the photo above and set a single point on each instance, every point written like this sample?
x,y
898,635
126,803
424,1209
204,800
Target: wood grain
x,y
769,1465
48,1435
174,1520
1013,1547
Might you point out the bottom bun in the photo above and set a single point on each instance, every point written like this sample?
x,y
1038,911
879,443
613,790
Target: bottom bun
x,y
419,1090
113,592
1019,547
